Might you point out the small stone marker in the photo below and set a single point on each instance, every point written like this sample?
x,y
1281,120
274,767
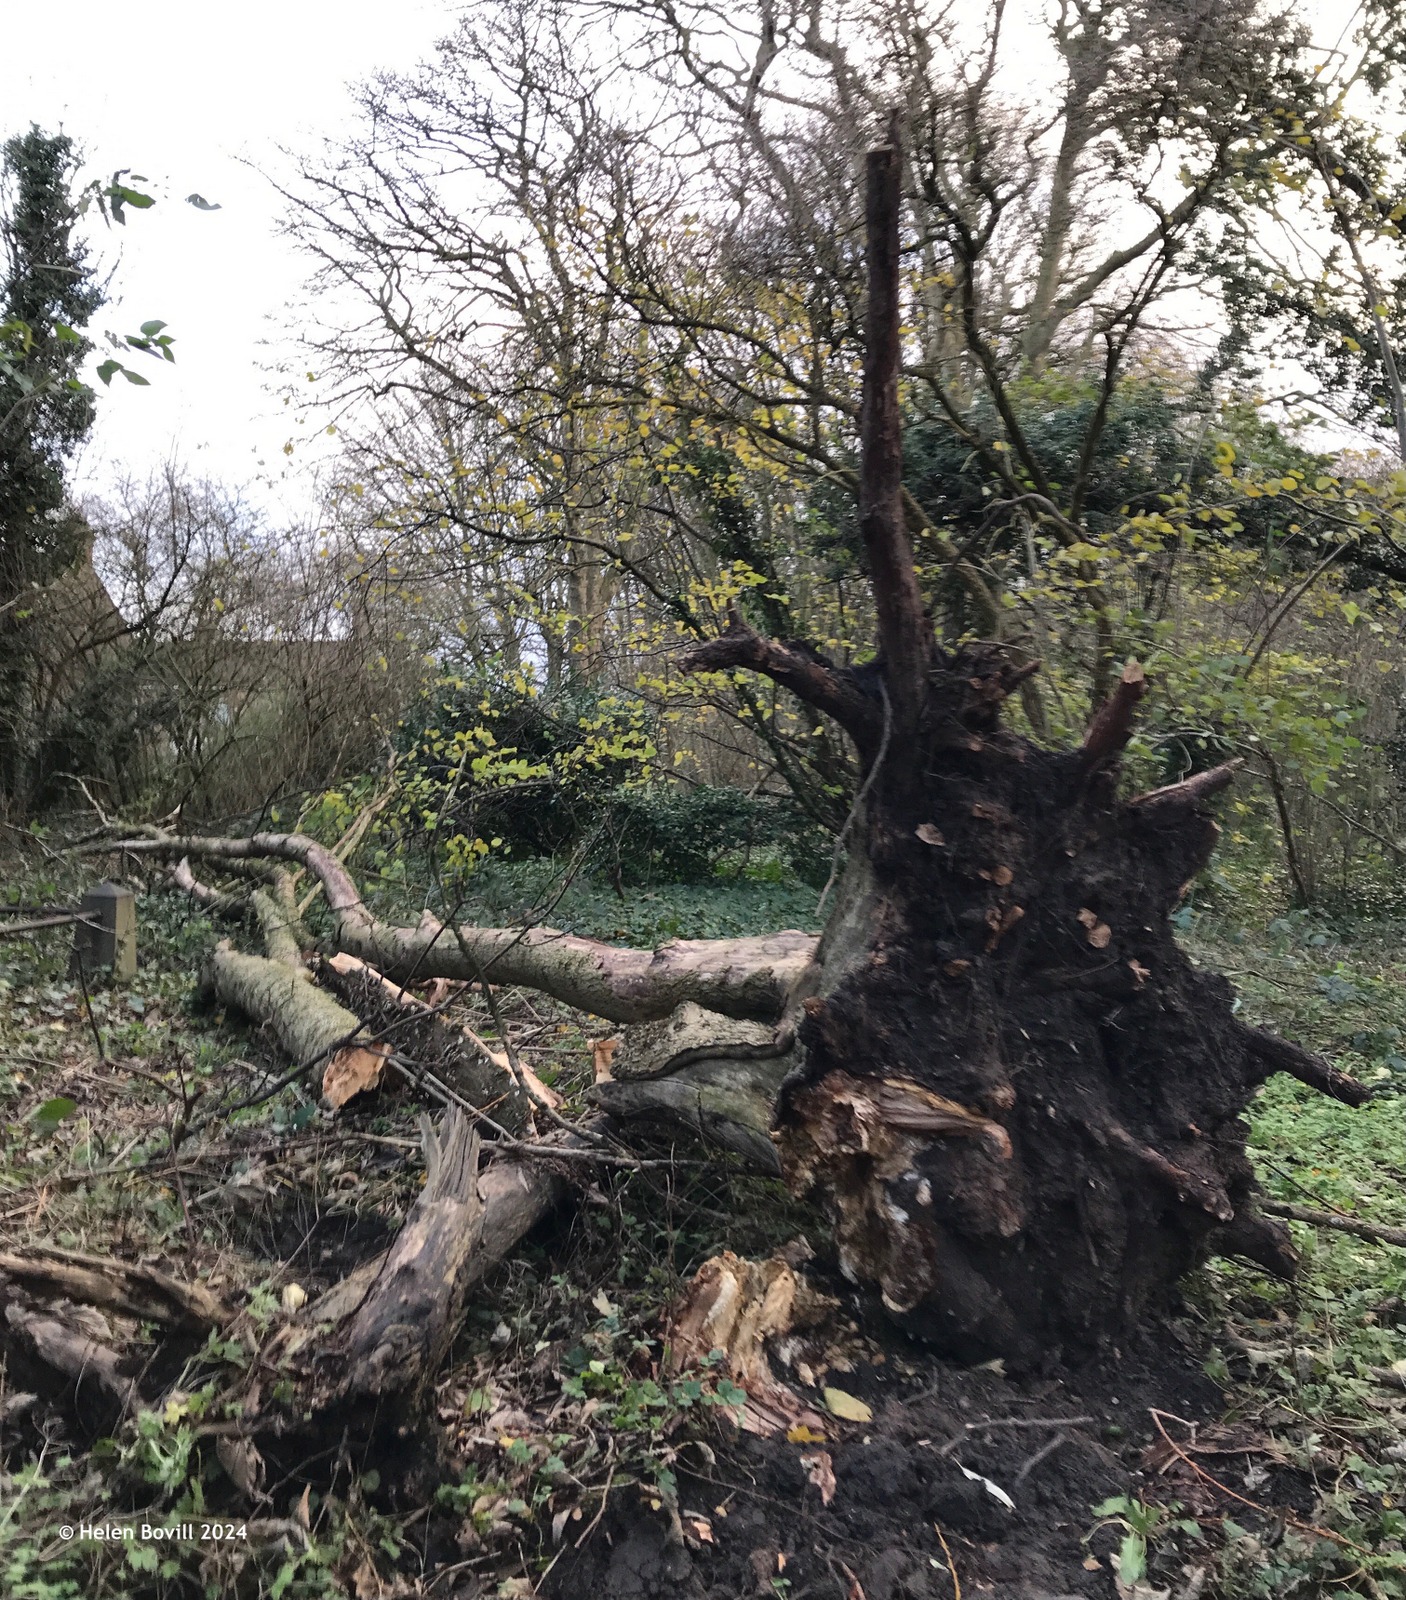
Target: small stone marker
x,y
109,937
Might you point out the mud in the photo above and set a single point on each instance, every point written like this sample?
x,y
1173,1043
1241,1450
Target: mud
x,y
900,1491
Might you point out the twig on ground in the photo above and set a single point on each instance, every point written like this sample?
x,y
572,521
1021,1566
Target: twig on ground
x,y
970,1428
951,1565
1254,1505
1340,1222
1046,1449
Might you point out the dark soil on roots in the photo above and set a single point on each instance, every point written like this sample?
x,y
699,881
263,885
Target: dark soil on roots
x,y
906,1522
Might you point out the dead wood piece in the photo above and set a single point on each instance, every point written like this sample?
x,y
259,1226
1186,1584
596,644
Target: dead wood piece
x,y
725,1103
1112,725
395,1341
513,1197
691,1033
1378,1232
63,1341
307,1022
353,1070
1278,1055
1188,793
481,1074
737,1306
139,1291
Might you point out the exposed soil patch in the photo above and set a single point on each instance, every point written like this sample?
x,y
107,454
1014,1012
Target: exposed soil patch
x,y
1056,1445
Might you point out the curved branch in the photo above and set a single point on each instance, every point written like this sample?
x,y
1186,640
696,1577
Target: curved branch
x,y
793,665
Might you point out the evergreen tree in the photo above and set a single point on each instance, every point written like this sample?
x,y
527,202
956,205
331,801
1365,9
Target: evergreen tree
x,y
49,295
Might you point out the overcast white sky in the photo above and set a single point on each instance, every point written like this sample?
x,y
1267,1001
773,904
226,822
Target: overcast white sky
x,y
200,98
187,94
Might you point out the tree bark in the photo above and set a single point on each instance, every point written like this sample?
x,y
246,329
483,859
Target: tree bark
x,y
747,977
358,1364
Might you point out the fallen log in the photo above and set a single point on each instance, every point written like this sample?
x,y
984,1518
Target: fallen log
x,y
357,1365
482,1076
716,1077
747,977
72,1345
393,1343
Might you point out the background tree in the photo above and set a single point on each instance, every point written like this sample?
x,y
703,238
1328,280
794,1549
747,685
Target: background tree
x,y
49,296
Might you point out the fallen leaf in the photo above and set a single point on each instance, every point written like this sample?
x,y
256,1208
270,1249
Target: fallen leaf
x,y
294,1297
1001,876
303,1510
1140,972
241,1460
352,1072
840,1404
801,1434
602,1055
603,1303
1099,935
699,1527
559,1523
1092,1564
820,1470
1087,917
929,834
993,1489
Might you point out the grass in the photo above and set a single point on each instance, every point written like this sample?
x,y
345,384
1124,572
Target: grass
x,y
145,1162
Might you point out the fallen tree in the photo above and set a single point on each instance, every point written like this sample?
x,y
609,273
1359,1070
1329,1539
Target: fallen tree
x,y
1021,1101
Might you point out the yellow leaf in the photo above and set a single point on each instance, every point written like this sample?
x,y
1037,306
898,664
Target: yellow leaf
x,y
801,1434
840,1404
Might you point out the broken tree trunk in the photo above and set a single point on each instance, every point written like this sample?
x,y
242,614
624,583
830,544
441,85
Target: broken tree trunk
x,y
276,990
358,1364
316,1031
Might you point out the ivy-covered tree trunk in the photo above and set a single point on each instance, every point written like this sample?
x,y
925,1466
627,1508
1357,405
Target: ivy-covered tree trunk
x,y
48,294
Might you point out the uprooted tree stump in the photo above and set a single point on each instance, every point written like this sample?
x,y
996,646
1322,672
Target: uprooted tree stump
x,y
1022,1102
